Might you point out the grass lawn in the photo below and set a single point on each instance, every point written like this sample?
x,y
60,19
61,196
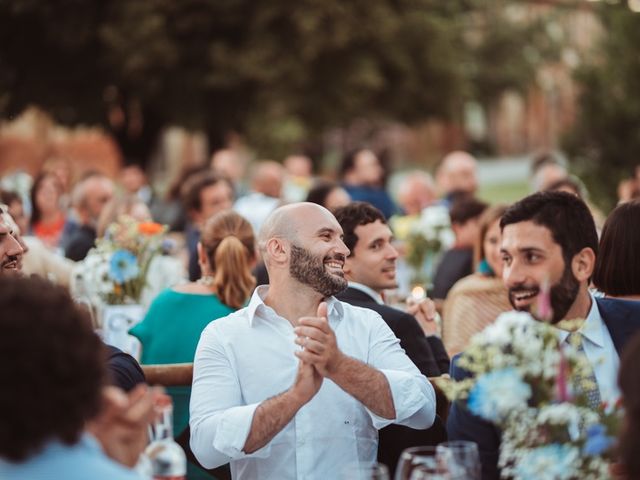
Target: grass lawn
x,y
504,192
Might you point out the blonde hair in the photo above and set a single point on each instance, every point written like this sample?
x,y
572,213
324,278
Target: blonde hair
x,y
487,218
229,245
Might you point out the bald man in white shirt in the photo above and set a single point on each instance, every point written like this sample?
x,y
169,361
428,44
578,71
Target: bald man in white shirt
x,y
297,384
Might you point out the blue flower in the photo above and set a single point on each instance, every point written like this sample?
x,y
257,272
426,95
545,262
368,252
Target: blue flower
x,y
598,442
495,394
551,462
123,266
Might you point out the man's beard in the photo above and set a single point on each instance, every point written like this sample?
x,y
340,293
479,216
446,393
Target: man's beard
x,y
562,294
310,270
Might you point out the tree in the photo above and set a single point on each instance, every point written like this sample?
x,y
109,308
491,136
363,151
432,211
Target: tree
x,y
605,142
276,71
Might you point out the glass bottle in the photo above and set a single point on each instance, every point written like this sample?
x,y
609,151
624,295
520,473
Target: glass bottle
x,y
168,461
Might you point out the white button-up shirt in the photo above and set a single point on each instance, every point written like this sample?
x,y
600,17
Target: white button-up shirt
x,y
248,357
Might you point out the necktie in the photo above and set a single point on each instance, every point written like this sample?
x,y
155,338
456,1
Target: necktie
x,y
585,383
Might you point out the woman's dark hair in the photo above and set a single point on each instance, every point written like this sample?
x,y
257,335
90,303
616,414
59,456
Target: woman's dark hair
x,y
36,214
629,441
566,216
320,191
617,270
52,367
229,243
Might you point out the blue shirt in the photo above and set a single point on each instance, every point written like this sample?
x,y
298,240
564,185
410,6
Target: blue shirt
x,y
82,461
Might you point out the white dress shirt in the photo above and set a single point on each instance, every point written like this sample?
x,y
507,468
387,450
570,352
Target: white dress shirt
x,y
248,357
601,353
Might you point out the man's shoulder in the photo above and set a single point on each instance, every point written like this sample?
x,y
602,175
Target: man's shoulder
x,y
234,323
361,300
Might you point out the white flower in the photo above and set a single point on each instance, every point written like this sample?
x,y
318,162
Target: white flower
x,y
436,216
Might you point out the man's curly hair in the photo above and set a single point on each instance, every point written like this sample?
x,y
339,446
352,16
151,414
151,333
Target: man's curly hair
x,y
52,367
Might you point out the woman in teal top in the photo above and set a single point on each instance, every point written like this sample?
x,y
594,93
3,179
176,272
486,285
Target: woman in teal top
x,y
171,329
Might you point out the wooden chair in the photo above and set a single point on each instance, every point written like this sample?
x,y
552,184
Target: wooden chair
x,y
171,375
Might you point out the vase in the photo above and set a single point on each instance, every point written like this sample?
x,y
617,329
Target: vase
x,y
116,322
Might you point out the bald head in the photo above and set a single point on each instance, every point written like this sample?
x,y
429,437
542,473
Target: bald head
x,y
416,192
458,173
267,178
288,220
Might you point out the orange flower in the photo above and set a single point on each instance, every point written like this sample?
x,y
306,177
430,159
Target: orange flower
x,y
150,228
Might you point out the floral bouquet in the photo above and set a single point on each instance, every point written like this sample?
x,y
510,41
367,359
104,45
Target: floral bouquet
x,y
115,271
528,385
427,238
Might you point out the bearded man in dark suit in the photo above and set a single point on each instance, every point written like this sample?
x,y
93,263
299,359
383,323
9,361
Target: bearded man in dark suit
x,y
550,238
370,269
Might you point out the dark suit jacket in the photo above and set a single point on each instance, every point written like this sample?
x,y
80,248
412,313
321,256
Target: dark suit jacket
x,y
123,370
432,362
622,318
428,353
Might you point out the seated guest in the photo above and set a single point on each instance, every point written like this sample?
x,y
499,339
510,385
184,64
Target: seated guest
x,y
172,327
260,399
54,378
267,179
362,177
617,271
89,197
37,258
328,194
370,269
476,301
457,262
47,215
551,237
457,175
204,194
629,442
11,249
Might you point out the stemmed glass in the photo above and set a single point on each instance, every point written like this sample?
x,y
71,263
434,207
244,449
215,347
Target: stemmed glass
x,y
377,471
461,458
414,459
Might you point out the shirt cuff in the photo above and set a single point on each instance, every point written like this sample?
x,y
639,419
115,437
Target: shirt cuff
x,y
233,430
409,394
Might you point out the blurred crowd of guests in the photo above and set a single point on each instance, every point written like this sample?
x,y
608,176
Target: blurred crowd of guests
x,y
216,211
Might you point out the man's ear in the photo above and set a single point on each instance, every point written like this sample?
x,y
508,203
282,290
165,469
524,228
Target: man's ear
x,y
278,250
348,264
583,263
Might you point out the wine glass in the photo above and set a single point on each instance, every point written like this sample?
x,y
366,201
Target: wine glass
x,y
415,458
377,471
461,458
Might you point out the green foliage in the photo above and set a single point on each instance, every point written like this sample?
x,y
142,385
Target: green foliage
x,y
605,143
277,71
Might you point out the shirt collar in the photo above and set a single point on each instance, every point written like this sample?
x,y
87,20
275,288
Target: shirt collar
x,y
334,307
591,329
368,290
